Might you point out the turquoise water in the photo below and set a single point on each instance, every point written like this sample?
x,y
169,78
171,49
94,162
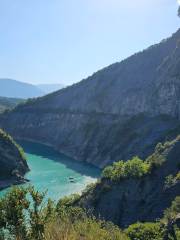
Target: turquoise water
x,y
51,170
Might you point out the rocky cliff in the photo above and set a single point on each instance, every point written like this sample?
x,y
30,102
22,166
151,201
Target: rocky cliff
x,y
13,163
111,115
131,200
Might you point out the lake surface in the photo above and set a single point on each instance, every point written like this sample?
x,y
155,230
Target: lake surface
x,y
51,170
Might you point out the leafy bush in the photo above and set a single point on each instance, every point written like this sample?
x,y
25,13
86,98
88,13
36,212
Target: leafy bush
x,y
107,172
135,168
173,210
169,180
67,201
145,231
89,188
177,178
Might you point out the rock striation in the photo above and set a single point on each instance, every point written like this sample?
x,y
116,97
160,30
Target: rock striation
x,y
112,114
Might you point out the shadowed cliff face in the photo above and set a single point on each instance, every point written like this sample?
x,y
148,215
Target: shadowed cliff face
x,y
92,120
134,200
13,164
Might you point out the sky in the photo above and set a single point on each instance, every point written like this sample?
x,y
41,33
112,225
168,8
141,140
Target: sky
x,y
65,41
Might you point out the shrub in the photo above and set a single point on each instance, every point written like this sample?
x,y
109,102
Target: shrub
x,y
177,178
146,231
169,180
107,172
88,189
173,210
82,227
67,201
81,202
135,168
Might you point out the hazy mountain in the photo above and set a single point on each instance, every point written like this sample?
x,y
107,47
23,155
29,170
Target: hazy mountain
x,y
16,89
49,88
113,114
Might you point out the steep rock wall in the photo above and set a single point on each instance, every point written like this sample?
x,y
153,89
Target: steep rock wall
x,y
142,199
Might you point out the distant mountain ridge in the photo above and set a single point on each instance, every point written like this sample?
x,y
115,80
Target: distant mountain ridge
x,y
49,88
16,89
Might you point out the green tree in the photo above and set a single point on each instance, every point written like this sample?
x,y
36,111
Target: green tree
x,y
12,214
21,218
40,213
107,172
173,210
169,180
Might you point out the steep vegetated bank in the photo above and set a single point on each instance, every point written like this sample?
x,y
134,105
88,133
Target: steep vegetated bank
x,y
13,164
111,115
136,190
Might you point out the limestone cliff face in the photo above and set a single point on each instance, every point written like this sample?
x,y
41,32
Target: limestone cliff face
x,y
142,199
13,163
92,120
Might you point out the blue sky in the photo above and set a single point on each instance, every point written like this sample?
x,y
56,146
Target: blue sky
x,y
58,41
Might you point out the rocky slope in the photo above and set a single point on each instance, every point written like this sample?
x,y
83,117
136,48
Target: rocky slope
x,y
133,200
111,115
13,163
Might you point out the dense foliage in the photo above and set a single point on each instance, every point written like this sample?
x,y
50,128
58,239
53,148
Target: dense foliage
x,y
136,168
23,219
146,231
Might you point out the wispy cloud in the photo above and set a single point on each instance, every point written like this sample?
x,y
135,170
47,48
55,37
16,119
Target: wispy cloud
x,y
178,2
